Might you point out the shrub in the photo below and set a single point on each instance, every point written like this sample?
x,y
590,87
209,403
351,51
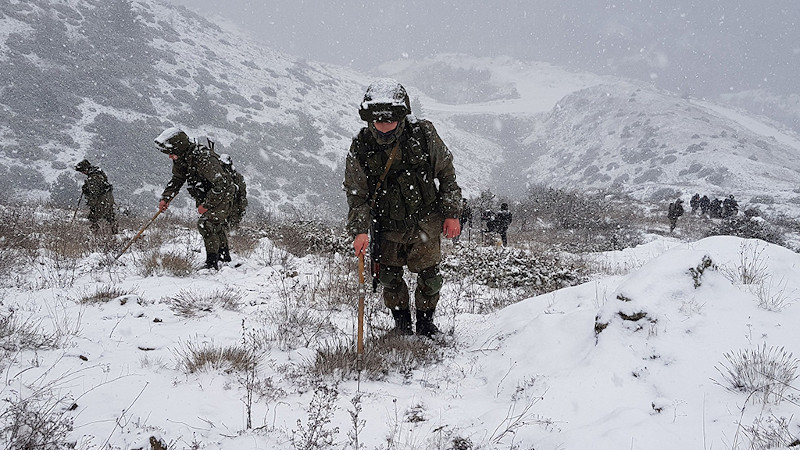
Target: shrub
x,y
509,267
169,263
189,304
193,357
105,294
765,372
38,421
748,228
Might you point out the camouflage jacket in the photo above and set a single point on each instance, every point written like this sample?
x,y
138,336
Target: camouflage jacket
x,y
206,180
96,188
408,194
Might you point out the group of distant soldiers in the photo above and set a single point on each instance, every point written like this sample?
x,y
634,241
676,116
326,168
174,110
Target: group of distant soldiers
x,y
219,191
716,208
494,222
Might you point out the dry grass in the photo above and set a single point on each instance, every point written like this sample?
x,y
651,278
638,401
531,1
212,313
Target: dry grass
x,y
193,357
382,356
167,263
104,294
191,304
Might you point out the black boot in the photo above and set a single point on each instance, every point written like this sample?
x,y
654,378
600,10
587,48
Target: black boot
x,y
425,325
225,254
211,261
402,322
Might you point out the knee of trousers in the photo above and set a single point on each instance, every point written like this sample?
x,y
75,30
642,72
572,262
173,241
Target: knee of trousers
x,y
430,281
391,278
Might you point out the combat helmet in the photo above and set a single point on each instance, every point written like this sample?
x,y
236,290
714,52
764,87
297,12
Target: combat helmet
x,y
173,141
83,166
386,100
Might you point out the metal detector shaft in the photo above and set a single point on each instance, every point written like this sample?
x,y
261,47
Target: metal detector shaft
x,y
362,290
137,235
75,214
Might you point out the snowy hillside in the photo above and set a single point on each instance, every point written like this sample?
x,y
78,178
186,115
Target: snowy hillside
x,y
687,345
101,79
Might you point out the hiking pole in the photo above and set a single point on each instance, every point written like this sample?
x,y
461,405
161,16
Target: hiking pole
x,y
137,235
75,214
362,292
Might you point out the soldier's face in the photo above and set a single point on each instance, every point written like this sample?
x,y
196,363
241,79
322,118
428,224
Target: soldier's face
x,y
385,127
173,156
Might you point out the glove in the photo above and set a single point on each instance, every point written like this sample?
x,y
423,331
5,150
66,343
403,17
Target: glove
x,y
451,228
163,205
360,244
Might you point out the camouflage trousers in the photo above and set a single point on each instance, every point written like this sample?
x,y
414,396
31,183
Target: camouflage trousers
x,y
102,209
213,227
420,250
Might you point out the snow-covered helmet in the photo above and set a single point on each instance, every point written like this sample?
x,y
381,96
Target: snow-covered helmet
x,y
83,166
173,141
386,100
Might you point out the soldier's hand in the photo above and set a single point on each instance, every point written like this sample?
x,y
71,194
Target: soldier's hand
x,y
163,205
202,209
451,228
360,244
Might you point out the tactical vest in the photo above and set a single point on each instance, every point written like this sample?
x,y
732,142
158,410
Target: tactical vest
x,y
408,193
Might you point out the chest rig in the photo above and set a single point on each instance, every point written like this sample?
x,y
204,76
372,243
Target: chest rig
x,y
408,192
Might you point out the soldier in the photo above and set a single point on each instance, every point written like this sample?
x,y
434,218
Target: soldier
x,y
465,219
99,196
730,207
503,220
694,202
675,210
211,186
389,181
705,205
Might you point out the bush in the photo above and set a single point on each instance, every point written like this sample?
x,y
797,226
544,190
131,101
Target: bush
x,y
748,228
509,267
764,373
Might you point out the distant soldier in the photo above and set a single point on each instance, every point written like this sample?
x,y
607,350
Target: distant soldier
x,y
503,219
675,210
99,196
715,209
695,203
730,207
705,205
207,181
465,219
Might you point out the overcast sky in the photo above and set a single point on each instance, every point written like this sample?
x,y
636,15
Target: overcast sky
x,y
693,46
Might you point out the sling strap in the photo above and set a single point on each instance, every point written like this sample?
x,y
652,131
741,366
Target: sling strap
x,y
394,154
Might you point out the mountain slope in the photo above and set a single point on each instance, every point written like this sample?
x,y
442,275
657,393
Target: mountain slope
x,y
650,144
101,79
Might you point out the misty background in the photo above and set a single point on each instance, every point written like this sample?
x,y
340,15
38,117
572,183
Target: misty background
x,y
690,47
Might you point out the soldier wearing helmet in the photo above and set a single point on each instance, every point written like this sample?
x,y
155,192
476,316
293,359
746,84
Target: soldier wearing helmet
x,y
208,183
394,201
99,196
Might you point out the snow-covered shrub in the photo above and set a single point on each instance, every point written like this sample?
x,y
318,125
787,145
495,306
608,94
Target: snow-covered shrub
x,y
104,294
189,303
697,272
510,267
770,433
36,421
764,372
749,228
193,357
308,237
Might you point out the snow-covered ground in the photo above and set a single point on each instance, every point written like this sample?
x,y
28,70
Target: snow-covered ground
x,y
533,375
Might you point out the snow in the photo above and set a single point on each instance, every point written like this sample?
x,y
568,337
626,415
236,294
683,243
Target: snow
x,y
532,375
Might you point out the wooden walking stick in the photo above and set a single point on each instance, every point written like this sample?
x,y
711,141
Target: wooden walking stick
x,y
362,292
75,214
137,235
